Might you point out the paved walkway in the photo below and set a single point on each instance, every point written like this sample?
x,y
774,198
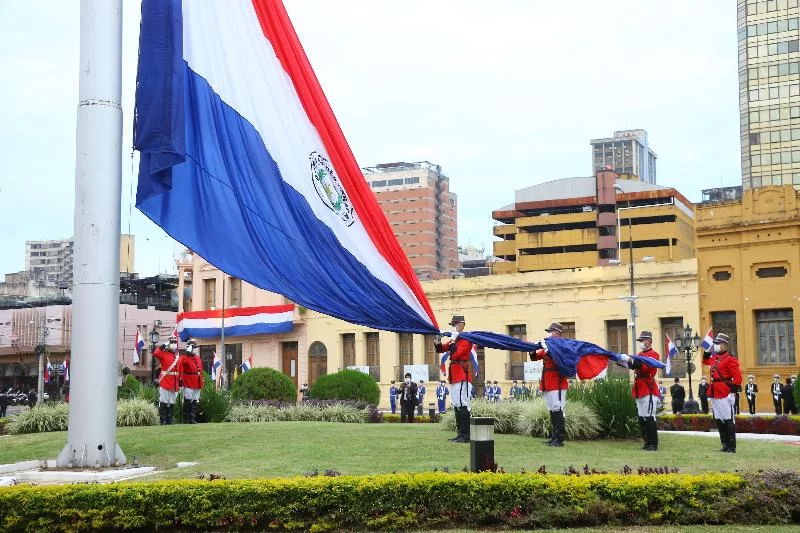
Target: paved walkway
x,y
747,436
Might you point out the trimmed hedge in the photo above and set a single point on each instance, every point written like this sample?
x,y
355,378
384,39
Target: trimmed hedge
x,y
777,425
263,384
346,385
429,501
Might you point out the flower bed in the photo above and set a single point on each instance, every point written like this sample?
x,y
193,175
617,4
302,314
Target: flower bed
x,y
777,425
429,501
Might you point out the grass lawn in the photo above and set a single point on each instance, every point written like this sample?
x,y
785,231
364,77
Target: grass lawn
x,y
293,448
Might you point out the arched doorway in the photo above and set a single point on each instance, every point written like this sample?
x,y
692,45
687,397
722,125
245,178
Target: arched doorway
x,y
317,362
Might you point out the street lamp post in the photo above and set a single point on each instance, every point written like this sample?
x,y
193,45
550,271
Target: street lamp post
x,y
153,343
41,353
690,345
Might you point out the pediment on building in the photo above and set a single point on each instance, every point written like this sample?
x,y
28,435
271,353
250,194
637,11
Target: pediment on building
x,y
769,200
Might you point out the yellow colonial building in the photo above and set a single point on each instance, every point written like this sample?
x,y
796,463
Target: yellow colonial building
x,y
588,301
748,255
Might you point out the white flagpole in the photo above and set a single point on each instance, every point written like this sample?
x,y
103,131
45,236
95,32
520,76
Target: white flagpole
x,y
92,436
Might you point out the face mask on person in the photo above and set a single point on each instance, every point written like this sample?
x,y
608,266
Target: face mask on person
x,y
642,347
408,380
715,349
173,346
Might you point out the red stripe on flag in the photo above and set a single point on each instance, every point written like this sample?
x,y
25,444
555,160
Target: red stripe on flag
x,y
278,29
590,366
238,311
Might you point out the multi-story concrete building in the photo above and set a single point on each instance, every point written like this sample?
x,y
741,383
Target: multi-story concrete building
x,y
416,199
748,256
50,262
587,301
769,92
627,153
582,222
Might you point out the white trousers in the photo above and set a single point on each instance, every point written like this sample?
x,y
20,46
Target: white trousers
x,y
166,396
646,406
461,394
555,400
723,407
191,394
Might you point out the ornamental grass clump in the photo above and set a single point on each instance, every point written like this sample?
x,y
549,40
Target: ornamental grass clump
x,y
136,412
581,423
42,418
613,404
253,413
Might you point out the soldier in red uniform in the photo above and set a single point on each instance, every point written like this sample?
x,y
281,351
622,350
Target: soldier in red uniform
x,y
554,387
168,379
190,368
726,381
460,375
645,391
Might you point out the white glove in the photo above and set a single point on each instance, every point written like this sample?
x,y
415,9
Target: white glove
x,y
625,358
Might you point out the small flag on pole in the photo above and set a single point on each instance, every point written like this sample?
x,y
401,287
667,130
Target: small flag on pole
x,y
177,338
66,370
216,366
47,370
247,364
708,341
138,347
672,351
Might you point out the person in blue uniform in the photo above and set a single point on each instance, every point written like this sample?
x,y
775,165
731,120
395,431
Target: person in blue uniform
x,y
393,397
514,391
496,392
421,393
487,391
441,396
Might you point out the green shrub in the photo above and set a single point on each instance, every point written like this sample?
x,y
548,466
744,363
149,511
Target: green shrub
x,y
149,393
611,401
424,419
136,412
253,413
214,404
430,501
580,421
263,384
301,413
129,389
531,417
344,414
4,425
41,418
346,385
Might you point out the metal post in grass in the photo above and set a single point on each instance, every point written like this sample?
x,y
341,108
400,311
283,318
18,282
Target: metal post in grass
x,y
481,444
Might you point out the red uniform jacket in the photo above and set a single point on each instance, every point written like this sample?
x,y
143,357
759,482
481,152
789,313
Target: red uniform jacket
x,y
168,379
724,373
460,367
552,380
644,383
191,371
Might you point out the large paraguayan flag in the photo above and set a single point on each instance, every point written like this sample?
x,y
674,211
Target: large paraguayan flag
x,y
572,357
243,161
238,322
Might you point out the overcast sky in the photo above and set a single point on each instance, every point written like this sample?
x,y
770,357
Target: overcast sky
x,y
502,94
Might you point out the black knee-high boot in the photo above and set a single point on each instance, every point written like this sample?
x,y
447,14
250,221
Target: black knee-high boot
x,y
559,428
652,434
187,411
643,432
162,413
170,408
195,406
552,429
730,428
723,435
